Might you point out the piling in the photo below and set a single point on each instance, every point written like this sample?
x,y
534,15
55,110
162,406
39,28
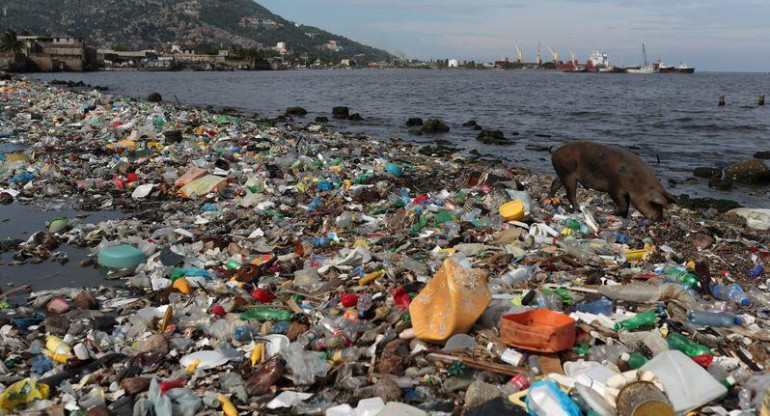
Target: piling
x,y
761,100
721,100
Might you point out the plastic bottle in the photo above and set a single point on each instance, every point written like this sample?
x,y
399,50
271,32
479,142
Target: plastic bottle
x,y
756,271
759,297
681,275
609,354
602,306
645,319
520,274
731,292
633,361
687,346
264,314
708,318
638,293
546,399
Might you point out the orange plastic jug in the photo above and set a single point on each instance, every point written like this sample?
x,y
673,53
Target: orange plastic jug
x,y
540,330
450,303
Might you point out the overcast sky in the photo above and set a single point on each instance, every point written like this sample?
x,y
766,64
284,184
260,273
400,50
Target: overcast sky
x,y
707,34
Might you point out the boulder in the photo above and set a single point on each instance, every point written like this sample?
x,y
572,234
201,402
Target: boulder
x,y
414,122
762,155
154,97
295,111
434,125
355,117
492,137
725,184
706,172
753,171
472,124
340,112
322,119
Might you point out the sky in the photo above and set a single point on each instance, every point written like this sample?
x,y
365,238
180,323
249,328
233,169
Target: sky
x,y
718,35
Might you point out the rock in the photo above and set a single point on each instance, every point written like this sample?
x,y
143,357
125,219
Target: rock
x,y
154,343
340,112
103,323
721,205
135,385
705,172
5,198
154,97
725,184
762,155
471,124
749,172
56,325
434,125
295,111
392,360
414,122
702,241
85,300
493,137
355,117
322,119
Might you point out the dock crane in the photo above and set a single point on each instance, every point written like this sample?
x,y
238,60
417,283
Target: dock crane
x,y
554,53
573,57
519,55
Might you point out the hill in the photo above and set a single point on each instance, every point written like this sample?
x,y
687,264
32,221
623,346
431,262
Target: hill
x,y
157,24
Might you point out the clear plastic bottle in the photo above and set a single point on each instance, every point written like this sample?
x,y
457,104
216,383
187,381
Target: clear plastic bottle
x,y
716,319
759,297
520,274
731,292
607,354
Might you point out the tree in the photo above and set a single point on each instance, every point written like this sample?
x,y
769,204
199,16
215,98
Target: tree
x,y
9,42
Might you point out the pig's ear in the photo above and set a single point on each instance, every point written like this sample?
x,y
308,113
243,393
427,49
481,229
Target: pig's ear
x,y
657,198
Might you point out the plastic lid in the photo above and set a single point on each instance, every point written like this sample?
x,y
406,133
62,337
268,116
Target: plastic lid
x,y
625,356
121,257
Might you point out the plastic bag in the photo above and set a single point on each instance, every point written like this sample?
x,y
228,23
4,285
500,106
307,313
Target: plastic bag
x,y
21,393
546,399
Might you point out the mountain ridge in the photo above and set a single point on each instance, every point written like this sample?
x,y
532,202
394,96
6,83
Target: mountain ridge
x,y
154,24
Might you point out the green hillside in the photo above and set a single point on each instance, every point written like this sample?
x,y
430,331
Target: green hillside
x,y
157,24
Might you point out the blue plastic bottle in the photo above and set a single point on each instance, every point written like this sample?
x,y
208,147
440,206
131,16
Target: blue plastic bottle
x,y
717,319
602,306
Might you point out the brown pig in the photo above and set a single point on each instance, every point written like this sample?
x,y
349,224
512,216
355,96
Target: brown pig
x,y
617,171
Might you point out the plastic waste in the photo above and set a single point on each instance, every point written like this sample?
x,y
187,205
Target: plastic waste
x,y
546,399
708,318
450,303
731,292
645,319
22,393
687,385
539,330
121,257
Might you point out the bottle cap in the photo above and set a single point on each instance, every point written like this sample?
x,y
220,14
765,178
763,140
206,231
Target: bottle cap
x,y
625,356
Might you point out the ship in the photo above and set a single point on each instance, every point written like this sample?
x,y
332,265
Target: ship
x,y
646,69
681,69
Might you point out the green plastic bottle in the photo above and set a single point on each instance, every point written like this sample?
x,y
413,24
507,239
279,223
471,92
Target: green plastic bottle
x,y
686,345
634,360
645,319
683,276
264,314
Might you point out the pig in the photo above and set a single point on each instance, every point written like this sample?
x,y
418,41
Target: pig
x,y
617,171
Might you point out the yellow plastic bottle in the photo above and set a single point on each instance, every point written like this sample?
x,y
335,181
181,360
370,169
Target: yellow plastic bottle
x,y
450,303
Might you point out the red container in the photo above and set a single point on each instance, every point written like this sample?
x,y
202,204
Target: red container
x,y
541,330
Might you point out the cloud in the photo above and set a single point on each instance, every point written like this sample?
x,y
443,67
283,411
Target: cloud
x,y
700,32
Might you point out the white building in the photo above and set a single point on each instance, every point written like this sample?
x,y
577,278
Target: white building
x,y
453,63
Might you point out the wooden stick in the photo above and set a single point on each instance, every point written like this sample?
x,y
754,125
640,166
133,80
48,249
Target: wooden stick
x,y
481,365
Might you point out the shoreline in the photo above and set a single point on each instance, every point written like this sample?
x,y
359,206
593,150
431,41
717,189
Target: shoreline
x,y
232,215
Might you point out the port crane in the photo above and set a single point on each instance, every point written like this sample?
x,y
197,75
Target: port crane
x,y
573,57
554,53
519,55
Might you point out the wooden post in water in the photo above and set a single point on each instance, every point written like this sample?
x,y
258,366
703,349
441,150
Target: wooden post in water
x,y
761,101
721,100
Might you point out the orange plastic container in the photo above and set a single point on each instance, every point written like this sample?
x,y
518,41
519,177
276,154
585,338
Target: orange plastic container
x,y
541,330
450,303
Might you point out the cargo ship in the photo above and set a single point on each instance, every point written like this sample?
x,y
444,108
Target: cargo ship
x,y
681,69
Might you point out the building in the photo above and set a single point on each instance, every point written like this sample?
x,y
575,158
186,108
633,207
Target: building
x,y
453,63
281,48
49,54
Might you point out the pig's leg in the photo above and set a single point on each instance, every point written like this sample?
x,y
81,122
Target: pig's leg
x,y
555,186
623,200
571,183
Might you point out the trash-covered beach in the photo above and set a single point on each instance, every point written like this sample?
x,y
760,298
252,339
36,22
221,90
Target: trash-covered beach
x,y
292,270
